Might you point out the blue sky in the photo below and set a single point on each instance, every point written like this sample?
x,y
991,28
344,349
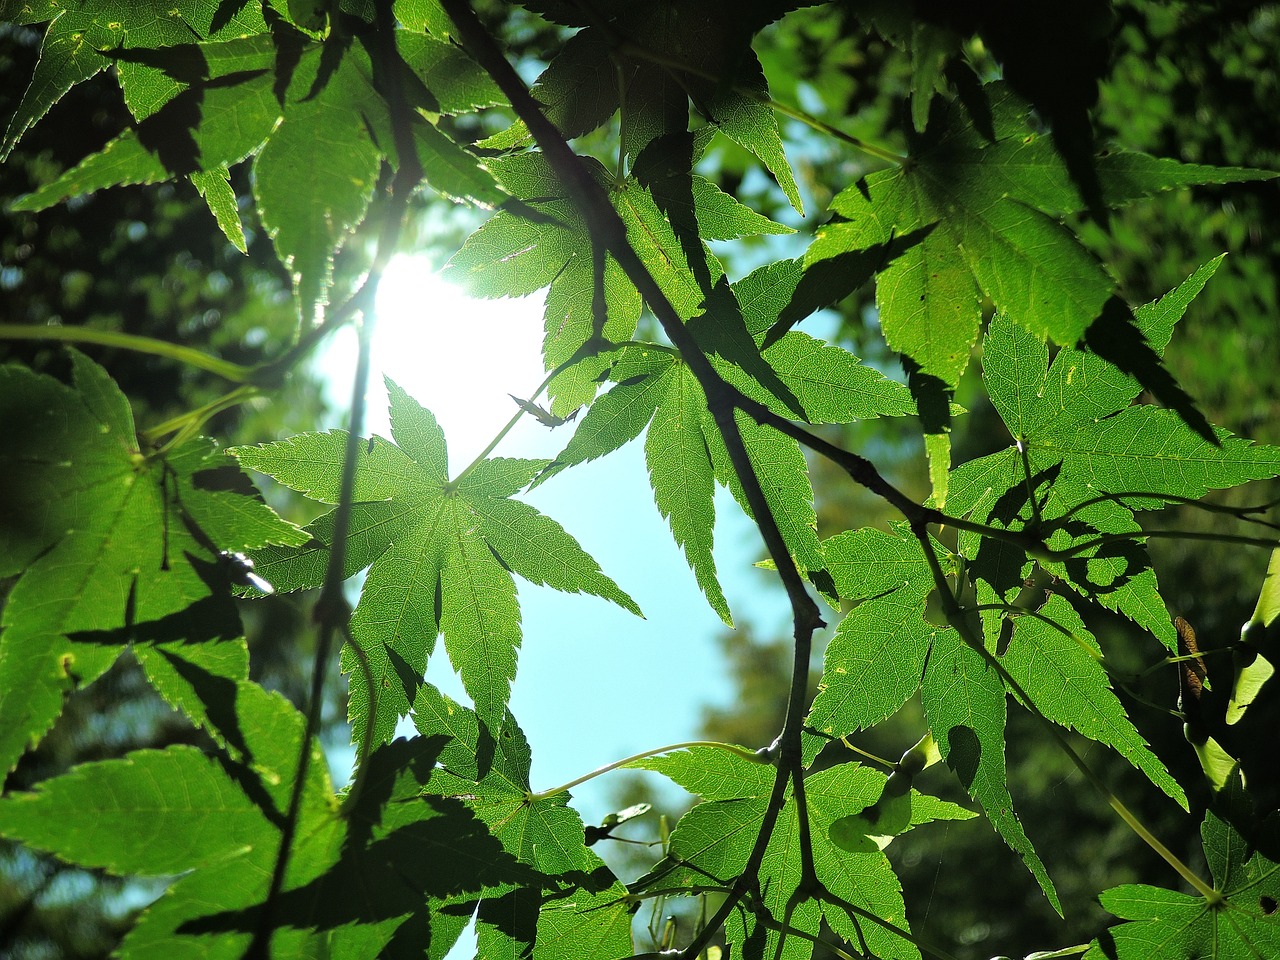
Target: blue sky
x,y
595,683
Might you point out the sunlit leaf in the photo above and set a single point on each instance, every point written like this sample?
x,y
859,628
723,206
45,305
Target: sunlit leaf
x,y
424,536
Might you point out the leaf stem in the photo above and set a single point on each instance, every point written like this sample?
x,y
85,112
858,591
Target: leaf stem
x,y
510,425
188,423
234,372
887,764
737,751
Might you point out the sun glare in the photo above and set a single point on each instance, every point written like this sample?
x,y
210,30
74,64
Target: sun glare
x,y
458,357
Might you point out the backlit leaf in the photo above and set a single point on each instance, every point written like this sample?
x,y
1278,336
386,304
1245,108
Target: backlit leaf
x,y
424,537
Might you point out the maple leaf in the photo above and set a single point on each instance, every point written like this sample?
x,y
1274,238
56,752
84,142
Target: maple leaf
x,y
440,553
998,204
113,547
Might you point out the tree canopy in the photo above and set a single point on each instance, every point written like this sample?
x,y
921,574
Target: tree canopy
x,y
973,167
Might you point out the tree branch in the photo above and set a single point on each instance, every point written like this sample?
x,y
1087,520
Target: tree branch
x,y
608,230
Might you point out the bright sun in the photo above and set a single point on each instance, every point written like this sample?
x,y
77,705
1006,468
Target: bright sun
x,y
458,357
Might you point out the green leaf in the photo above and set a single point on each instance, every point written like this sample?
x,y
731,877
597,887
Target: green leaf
x,y
215,187
713,841
314,178
203,129
997,204
1060,669
479,617
618,417
153,812
964,703
833,385
1076,413
743,114
454,80
73,48
681,474
109,547
213,911
585,924
1240,921
488,769
1034,396
424,538
450,170
874,662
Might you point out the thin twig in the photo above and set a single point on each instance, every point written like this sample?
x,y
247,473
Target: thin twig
x,y
234,372
331,612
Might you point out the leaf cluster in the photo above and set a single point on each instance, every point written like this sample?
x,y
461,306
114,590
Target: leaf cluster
x,y
983,595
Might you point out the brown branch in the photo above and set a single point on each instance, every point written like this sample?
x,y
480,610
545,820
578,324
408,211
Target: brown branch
x,y
608,231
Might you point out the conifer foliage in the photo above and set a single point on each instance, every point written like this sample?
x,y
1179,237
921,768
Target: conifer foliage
x,y
605,193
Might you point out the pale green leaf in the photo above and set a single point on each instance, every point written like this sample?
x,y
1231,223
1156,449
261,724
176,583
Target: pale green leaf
x,y
783,473
617,417
681,474
869,562
744,115
418,434
215,187
315,177
873,664
480,619
833,385
713,773
311,463
423,16
121,162
937,447
538,549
